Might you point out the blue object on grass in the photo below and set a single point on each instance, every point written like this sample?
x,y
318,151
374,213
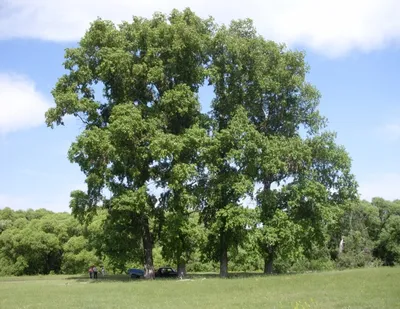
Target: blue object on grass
x,y
135,272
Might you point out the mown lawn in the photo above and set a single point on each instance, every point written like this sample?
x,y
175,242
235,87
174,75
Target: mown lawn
x,y
363,288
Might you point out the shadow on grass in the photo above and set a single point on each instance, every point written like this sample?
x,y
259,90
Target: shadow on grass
x,y
231,275
107,278
126,278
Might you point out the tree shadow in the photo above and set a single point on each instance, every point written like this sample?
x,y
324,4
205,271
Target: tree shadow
x,y
101,278
231,275
194,276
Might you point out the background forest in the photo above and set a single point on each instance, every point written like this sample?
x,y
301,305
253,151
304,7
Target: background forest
x,y
43,242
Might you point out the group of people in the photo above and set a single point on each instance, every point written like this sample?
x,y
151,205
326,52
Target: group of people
x,y
93,271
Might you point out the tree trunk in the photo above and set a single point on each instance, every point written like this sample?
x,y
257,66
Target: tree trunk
x,y
268,265
181,269
148,251
341,245
267,185
268,261
181,261
223,262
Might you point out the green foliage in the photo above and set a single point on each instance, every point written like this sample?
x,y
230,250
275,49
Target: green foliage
x,y
38,242
388,240
283,235
303,265
143,129
76,256
151,70
358,251
45,242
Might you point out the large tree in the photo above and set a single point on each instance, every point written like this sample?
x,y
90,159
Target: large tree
x,y
269,81
129,85
135,89
230,160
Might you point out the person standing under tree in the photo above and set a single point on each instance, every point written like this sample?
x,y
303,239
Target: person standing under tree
x,y
95,272
91,272
103,271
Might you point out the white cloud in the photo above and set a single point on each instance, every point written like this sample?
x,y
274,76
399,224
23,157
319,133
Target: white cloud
x,y
329,27
386,186
22,106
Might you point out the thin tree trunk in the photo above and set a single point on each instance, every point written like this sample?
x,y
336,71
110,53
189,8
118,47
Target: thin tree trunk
x,y
148,251
223,262
269,260
181,261
268,265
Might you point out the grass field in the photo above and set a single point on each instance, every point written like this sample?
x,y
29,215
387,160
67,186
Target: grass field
x,y
363,288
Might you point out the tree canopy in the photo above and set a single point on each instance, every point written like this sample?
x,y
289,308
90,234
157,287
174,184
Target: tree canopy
x,y
135,87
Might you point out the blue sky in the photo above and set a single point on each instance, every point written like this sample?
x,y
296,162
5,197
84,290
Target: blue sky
x,y
352,49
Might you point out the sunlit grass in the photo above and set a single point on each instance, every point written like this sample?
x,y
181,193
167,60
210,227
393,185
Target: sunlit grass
x,y
364,288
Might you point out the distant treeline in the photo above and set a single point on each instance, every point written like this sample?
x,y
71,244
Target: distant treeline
x,y
42,242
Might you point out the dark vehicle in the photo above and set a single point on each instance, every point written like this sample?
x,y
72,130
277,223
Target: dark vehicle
x,y
135,273
166,272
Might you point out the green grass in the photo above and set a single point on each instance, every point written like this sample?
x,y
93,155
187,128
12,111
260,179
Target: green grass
x,y
363,288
